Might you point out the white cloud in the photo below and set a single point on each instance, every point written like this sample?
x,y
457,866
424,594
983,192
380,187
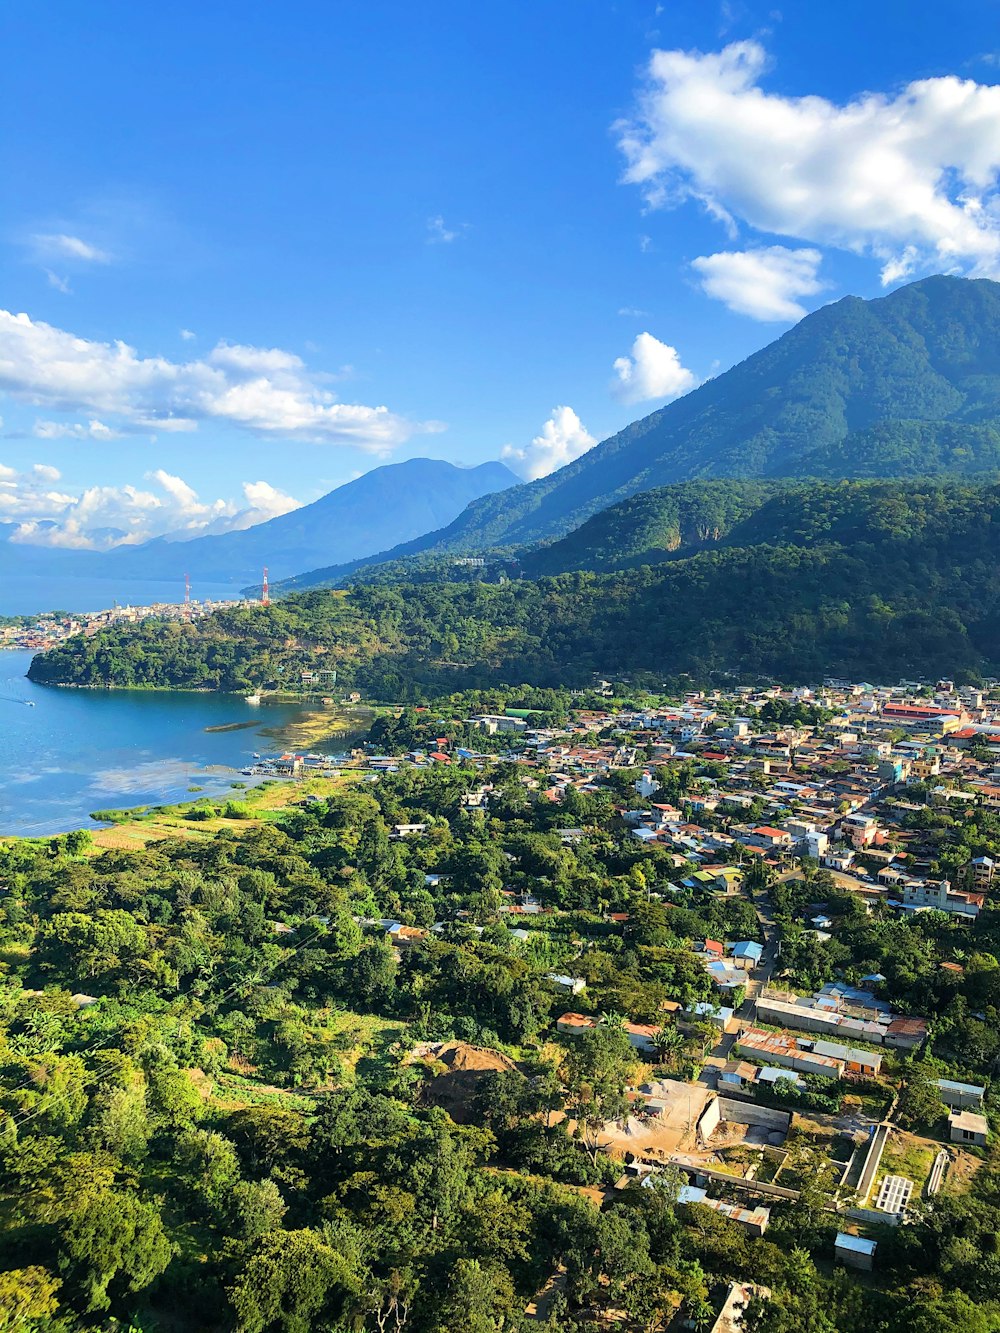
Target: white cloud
x,y
763,283
440,234
265,391
59,283
58,245
653,370
633,312
187,335
563,438
75,430
263,501
102,517
910,179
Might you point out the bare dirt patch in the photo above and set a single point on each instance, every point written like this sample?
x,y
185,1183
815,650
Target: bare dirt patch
x,y
462,1070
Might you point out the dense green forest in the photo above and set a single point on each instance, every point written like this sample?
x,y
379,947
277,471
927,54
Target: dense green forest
x,y
859,578
907,385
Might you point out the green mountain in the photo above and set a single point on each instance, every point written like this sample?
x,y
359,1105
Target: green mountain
x,y
866,579
653,526
907,385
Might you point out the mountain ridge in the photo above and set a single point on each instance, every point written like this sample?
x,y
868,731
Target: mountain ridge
x,y
863,578
907,384
349,522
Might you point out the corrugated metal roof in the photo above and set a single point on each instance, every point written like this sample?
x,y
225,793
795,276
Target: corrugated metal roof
x,y
859,1244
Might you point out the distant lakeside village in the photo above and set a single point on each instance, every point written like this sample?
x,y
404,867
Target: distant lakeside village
x,y
51,628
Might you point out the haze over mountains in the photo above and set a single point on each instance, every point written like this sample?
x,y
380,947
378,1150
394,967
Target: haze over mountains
x,y
831,503
355,520
906,385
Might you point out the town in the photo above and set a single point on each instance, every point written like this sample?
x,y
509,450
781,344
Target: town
x,y
38,633
792,1054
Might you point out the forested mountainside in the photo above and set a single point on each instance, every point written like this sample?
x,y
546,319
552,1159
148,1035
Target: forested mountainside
x,y
867,579
907,385
674,521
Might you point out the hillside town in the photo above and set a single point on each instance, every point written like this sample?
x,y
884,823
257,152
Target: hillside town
x,y
801,812
50,628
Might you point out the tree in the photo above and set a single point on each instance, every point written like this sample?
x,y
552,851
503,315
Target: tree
x,y
110,1236
119,1120
920,1104
104,945
27,1294
597,1065
256,1207
373,973
439,1173
208,1165
293,1283
391,1300
480,1299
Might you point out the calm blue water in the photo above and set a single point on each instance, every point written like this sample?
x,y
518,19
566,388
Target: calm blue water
x,y
83,750
28,594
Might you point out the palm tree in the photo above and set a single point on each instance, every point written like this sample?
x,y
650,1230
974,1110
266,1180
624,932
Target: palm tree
x,y
669,1045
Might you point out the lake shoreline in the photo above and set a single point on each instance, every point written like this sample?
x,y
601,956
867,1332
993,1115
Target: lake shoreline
x,y
81,749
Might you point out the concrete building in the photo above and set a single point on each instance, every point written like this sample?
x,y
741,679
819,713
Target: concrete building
x,y
747,954
968,1127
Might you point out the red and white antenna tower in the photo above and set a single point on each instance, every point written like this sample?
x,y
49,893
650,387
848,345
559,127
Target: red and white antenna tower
x,y
265,596
187,592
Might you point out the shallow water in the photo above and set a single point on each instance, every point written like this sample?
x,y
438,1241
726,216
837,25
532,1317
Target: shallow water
x,y
77,751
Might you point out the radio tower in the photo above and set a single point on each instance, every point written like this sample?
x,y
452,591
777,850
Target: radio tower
x,y
265,596
187,595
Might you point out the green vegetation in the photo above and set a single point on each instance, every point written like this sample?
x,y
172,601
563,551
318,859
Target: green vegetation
x,y
223,1108
872,579
903,386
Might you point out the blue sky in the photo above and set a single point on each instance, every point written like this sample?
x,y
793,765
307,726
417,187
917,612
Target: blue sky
x,y
498,222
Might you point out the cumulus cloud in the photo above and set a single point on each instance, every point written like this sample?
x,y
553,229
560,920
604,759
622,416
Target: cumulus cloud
x,y
763,283
265,391
102,517
910,179
263,501
653,370
562,438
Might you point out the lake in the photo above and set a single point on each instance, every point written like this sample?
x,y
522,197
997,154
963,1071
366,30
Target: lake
x,y
78,750
28,594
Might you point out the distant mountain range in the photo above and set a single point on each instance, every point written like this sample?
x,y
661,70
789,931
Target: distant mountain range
x,y
904,386
397,502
